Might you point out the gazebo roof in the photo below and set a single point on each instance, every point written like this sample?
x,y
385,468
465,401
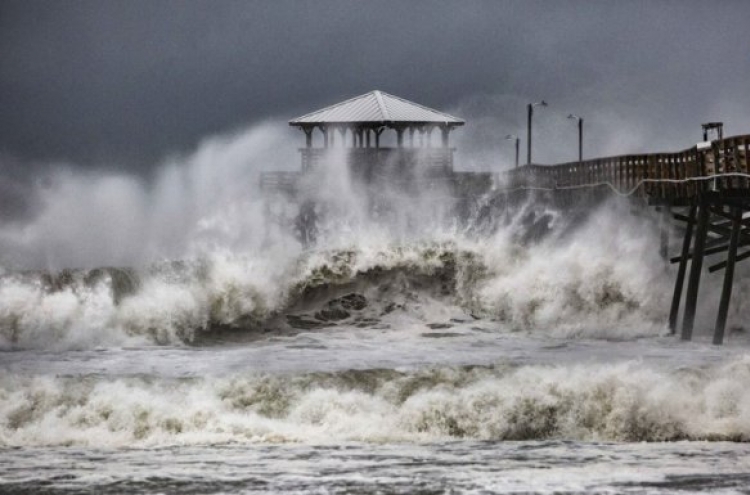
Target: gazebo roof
x,y
376,107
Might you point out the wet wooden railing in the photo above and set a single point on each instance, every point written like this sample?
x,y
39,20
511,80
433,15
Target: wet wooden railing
x,y
279,182
668,177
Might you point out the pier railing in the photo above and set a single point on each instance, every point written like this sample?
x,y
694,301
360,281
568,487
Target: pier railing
x,y
662,177
436,158
280,182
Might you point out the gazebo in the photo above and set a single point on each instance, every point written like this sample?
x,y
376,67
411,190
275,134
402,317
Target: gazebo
x,y
360,123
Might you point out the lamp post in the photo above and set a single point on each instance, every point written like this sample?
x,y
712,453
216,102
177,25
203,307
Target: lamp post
x,y
580,135
510,137
531,113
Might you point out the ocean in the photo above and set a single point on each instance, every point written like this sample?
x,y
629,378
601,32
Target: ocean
x,y
400,357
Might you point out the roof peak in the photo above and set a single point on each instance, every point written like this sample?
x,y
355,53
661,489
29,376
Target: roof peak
x,y
379,107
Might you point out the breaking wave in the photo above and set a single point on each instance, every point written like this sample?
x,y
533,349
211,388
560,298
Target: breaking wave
x,y
622,402
604,280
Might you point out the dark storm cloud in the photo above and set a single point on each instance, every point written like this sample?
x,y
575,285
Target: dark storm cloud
x,y
122,83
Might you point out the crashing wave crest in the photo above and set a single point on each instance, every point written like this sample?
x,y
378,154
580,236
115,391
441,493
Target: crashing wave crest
x,y
541,288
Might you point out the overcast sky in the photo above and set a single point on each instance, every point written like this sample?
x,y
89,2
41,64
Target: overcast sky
x,y
124,83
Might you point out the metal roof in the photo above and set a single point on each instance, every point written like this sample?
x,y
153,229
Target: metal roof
x,y
376,107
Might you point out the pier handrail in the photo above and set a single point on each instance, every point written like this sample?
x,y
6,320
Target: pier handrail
x,y
665,176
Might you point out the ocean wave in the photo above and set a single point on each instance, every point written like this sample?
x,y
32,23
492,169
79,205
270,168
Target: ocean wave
x,y
626,402
190,302
603,278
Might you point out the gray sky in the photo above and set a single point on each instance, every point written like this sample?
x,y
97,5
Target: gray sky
x,y
123,83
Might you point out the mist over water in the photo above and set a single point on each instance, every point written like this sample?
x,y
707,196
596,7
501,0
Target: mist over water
x,y
192,203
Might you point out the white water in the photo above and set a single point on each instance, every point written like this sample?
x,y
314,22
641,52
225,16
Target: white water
x,y
588,401
462,343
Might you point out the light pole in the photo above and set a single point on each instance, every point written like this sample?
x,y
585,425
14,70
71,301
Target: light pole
x,y
531,113
580,135
510,137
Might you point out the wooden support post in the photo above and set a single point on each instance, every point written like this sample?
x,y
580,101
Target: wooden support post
x,y
400,137
664,219
726,291
679,281
445,130
691,300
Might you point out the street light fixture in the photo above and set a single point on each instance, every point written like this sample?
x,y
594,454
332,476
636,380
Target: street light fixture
x,y
580,134
511,137
531,113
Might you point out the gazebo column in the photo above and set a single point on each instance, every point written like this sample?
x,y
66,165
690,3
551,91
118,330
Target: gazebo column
x,y
367,132
324,130
400,137
411,137
444,131
342,131
378,132
308,135
430,128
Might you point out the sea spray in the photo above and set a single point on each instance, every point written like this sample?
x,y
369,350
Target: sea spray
x,y
555,286
604,279
192,203
605,273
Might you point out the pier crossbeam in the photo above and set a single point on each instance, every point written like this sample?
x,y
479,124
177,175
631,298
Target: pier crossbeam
x,y
724,214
